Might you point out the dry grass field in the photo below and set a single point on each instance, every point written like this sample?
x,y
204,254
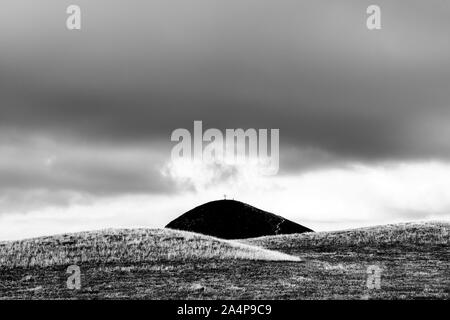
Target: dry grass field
x,y
168,264
127,246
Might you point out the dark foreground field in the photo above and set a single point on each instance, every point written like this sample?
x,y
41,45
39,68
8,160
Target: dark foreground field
x,y
414,262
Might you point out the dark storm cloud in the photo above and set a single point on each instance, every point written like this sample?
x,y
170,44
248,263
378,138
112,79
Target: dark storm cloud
x,y
45,166
95,178
310,68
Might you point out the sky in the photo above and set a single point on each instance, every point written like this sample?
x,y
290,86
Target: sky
x,y
86,115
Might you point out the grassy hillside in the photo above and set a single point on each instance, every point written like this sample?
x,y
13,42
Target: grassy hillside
x,y
394,235
414,259
168,264
127,246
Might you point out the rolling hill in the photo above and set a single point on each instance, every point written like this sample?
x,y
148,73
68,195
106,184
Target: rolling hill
x,y
169,264
127,246
230,219
385,236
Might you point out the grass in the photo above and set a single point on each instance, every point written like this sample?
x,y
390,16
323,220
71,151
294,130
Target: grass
x,y
393,235
167,264
127,246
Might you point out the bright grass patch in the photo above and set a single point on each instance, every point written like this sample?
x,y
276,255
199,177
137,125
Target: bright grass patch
x,y
128,246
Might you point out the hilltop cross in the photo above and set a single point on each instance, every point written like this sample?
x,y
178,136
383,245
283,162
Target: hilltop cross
x,y
225,197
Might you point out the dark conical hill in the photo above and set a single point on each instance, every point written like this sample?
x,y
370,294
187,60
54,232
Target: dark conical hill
x,y
230,219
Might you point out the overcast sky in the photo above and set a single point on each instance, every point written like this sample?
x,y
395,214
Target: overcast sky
x,y
86,116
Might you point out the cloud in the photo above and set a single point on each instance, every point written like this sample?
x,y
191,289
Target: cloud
x,y
40,172
203,175
310,69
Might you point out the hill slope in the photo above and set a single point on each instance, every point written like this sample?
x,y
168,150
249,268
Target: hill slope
x,y
392,235
229,219
168,264
127,246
